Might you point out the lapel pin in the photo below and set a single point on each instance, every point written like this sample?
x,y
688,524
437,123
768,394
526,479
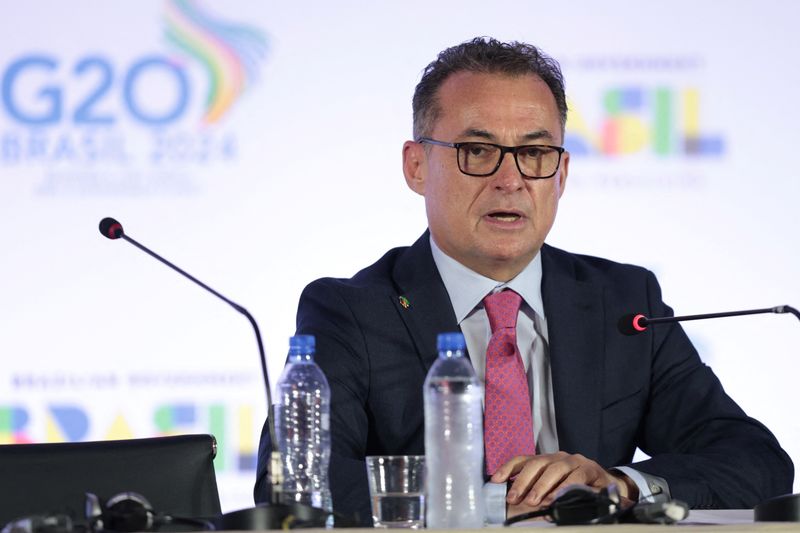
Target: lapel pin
x,y
404,302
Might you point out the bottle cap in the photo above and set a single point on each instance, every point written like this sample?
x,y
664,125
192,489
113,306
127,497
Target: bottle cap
x,y
301,344
450,342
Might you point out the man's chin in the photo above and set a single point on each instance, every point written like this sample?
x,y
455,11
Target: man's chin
x,y
503,264
512,252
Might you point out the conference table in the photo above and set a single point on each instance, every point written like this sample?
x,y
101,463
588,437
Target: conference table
x,y
698,521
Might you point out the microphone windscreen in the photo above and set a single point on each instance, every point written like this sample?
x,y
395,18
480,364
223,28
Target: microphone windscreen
x,y
110,228
630,324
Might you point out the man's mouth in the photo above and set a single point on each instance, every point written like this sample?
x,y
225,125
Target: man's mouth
x,y
504,216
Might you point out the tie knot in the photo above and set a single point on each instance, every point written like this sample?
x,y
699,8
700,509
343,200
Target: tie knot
x,y
502,309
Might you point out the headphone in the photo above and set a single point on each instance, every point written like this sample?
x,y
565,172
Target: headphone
x,y
130,511
125,512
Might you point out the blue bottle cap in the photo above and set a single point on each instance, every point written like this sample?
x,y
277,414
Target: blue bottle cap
x,y
450,342
302,344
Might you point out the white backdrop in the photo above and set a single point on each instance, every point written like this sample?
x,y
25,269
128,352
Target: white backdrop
x,y
257,144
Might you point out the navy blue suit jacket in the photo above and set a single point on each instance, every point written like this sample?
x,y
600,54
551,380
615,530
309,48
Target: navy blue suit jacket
x,y
612,393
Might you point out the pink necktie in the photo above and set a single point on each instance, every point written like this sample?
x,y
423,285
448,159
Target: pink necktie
x,y
508,425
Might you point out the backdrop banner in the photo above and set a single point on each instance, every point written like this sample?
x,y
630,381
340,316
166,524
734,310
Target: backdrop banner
x,y
257,145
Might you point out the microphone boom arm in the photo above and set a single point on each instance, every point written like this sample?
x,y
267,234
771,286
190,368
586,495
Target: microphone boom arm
x,y
781,309
233,304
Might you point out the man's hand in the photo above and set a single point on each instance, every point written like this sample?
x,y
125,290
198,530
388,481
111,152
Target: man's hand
x,y
540,477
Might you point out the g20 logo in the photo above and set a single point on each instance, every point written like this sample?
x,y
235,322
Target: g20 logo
x,y
51,91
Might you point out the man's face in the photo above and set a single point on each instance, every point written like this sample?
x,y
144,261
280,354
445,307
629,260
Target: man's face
x,y
494,225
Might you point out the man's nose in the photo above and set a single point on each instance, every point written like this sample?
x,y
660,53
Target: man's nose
x,y
508,176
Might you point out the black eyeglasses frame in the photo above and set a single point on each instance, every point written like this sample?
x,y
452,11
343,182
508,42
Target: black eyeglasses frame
x,y
503,151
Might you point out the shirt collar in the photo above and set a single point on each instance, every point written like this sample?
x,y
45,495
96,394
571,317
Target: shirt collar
x,y
467,288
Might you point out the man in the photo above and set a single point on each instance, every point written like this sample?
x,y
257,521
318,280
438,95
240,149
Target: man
x,y
489,123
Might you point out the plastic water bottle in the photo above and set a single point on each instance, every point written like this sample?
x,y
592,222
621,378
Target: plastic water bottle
x,y
453,439
302,427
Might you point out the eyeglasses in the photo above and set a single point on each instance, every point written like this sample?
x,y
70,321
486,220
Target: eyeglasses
x,y
534,161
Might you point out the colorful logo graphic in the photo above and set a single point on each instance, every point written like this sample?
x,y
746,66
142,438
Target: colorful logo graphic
x,y
140,115
230,53
13,421
660,121
72,423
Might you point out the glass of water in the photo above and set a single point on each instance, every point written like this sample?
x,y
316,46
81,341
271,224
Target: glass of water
x,y
397,490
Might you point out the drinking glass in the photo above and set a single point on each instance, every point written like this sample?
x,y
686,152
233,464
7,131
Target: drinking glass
x,y
397,490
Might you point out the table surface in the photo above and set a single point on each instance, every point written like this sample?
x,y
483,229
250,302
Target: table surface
x,y
729,520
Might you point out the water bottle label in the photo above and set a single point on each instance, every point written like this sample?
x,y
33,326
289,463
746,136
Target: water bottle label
x,y
325,421
316,499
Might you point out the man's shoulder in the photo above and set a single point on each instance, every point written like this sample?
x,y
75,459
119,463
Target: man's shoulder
x,y
370,296
376,277
590,268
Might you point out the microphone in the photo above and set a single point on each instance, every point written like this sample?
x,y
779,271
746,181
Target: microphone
x,y
278,514
635,323
112,229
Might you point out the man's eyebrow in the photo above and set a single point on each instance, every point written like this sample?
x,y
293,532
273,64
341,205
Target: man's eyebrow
x,y
473,132
530,136
537,135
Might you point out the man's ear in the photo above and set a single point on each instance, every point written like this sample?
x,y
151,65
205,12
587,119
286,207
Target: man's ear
x,y
414,166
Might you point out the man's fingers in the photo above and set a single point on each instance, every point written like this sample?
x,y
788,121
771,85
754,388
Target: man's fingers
x,y
565,470
511,468
549,477
540,477
530,473
525,471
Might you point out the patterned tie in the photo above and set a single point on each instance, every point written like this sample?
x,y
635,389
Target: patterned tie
x,y
508,425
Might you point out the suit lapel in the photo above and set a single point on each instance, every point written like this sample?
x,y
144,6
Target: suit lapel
x,y
575,317
426,309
